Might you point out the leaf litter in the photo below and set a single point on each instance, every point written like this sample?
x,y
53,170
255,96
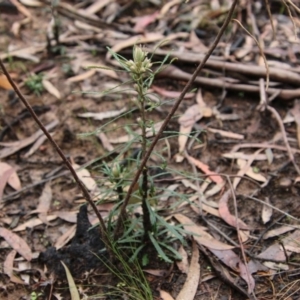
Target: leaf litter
x,y
220,124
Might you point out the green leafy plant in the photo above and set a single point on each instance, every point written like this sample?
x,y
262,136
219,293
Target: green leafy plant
x,y
35,84
143,234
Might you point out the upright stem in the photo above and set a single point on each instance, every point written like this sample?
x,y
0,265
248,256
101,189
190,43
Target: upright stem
x,y
144,188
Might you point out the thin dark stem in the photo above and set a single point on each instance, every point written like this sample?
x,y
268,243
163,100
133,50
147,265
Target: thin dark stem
x,y
171,113
84,190
144,187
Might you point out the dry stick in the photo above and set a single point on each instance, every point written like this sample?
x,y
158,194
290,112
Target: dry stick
x,y
288,147
169,116
84,190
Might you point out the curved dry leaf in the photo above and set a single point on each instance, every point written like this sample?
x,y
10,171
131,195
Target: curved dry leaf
x,y
82,76
8,267
165,296
22,9
65,238
4,83
96,6
13,179
37,144
166,8
72,286
143,21
230,259
292,242
16,243
190,286
205,169
227,216
278,231
266,212
183,137
274,253
183,265
105,142
200,235
190,116
155,272
3,180
51,89
69,216
32,3
142,39
226,134
8,264
85,177
170,94
33,223
14,147
103,115
256,176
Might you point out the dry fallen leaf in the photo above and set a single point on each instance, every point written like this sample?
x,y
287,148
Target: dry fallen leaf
x,y
296,113
33,223
183,265
96,6
266,212
170,94
14,147
103,115
278,231
85,177
143,21
13,179
82,76
16,243
3,180
165,296
51,89
8,267
256,176
4,83
190,286
37,144
226,134
148,37
232,260
105,142
44,203
65,238
200,235
32,3
205,169
227,216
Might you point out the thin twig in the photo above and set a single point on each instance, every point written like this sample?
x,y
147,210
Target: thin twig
x,y
288,147
84,190
171,113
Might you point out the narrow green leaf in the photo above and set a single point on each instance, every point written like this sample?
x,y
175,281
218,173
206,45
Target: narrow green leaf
x,y
159,250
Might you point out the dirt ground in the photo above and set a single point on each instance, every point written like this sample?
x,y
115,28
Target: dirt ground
x,y
279,184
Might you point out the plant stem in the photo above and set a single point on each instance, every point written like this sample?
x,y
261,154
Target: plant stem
x,y
144,189
169,116
84,190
